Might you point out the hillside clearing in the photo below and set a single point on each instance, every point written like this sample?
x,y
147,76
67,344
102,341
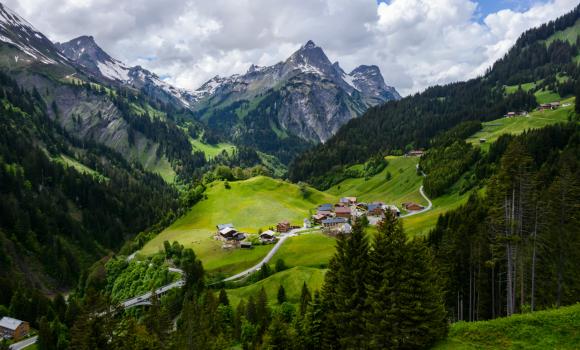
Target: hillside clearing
x,y
402,187
253,204
492,130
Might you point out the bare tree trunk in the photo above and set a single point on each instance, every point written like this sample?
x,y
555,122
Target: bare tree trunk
x,y
534,237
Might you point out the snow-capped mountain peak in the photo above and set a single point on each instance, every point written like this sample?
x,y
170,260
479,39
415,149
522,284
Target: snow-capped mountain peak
x,y
19,33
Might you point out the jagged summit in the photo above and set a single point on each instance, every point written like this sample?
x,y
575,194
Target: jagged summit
x,y
309,45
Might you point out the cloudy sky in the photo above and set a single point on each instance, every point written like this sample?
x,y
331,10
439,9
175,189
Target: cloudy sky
x,y
416,43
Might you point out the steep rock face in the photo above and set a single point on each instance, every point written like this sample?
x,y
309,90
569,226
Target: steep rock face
x,y
317,97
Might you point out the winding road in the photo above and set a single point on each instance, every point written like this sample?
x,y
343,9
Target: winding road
x,y
23,344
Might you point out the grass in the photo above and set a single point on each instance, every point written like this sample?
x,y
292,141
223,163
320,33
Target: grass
x,y
492,130
81,168
256,203
310,250
403,186
569,34
292,280
552,329
510,89
421,224
211,151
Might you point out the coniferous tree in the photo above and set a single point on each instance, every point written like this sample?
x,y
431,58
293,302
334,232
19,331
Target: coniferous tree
x,y
305,298
281,297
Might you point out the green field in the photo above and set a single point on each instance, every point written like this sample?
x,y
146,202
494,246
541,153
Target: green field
x,y
403,186
553,329
492,130
292,280
257,203
311,250
211,150
421,224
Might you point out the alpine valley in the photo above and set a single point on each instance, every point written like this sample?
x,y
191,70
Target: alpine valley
x,y
293,206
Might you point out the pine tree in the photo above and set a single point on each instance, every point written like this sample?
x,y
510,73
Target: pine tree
x,y
281,295
385,259
223,298
312,325
345,290
305,299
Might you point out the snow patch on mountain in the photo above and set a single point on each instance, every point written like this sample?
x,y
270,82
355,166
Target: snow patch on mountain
x,y
114,71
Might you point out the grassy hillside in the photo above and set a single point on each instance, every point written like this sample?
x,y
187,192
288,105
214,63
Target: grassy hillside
x,y
570,34
492,130
211,150
403,186
252,204
291,279
553,329
311,250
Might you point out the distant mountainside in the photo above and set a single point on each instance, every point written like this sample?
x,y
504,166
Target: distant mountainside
x,y
310,96
85,52
542,66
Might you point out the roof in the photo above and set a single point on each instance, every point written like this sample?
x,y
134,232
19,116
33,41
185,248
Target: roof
x,y
342,210
325,207
223,226
10,323
227,230
285,222
268,233
334,221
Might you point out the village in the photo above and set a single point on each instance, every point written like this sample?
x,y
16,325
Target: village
x,y
331,219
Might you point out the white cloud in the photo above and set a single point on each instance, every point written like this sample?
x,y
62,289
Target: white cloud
x,y
416,43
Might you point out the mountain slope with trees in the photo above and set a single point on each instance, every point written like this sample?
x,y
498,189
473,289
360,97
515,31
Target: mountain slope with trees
x,y
413,121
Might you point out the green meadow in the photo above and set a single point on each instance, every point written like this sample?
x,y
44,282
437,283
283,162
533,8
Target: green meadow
x,y
310,250
552,329
402,187
253,204
292,280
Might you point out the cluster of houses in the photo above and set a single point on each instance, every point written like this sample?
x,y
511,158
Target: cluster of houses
x,y
332,218
11,328
549,106
336,218
543,107
233,238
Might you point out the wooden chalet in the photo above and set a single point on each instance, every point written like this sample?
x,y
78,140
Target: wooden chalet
x,y
11,328
268,237
283,226
412,206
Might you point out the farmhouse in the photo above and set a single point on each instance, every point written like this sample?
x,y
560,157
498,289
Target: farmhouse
x,y
246,245
268,237
334,225
415,153
375,209
412,206
283,226
11,328
342,212
510,114
228,233
224,226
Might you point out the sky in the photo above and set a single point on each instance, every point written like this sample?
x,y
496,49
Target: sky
x,y
415,43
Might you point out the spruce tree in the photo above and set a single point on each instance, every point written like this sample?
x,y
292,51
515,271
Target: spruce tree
x,y
345,293
305,299
385,260
223,298
281,295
